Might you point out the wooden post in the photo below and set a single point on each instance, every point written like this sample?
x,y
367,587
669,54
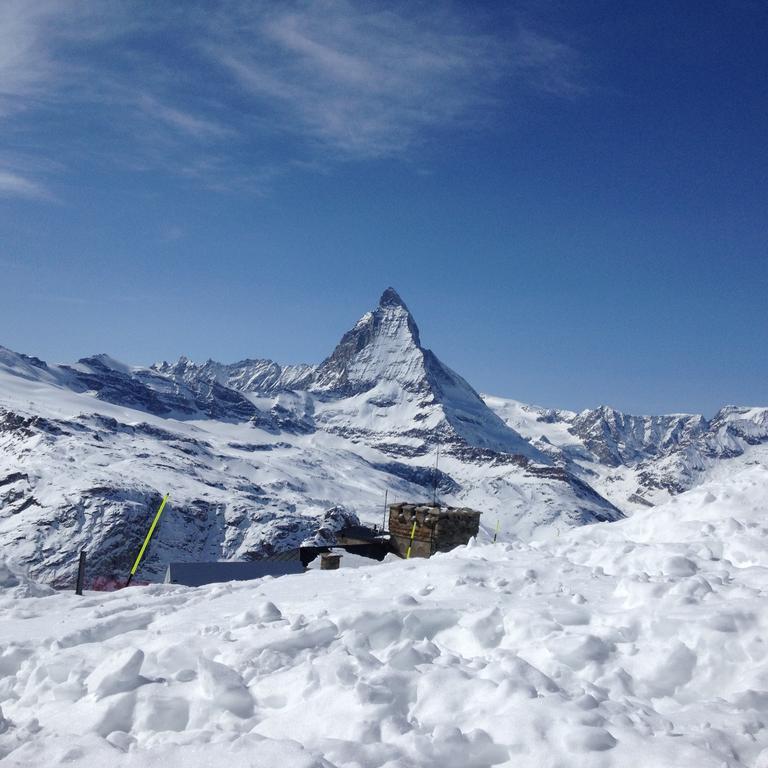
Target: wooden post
x,y
80,573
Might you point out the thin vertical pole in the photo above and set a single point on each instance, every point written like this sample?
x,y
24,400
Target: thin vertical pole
x,y
384,526
434,484
80,573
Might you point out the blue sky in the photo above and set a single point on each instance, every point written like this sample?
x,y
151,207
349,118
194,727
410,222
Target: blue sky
x,y
572,198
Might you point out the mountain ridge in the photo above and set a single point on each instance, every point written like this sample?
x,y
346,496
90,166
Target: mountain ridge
x,y
256,454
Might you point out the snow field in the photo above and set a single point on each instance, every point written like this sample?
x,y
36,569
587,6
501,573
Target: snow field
x,y
638,643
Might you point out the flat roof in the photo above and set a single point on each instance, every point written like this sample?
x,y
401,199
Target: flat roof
x,y
197,574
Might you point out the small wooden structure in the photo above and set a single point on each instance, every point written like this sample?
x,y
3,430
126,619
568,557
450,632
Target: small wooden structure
x,y
329,561
437,529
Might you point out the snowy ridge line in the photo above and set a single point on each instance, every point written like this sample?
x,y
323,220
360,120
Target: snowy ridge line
x,y
640,461
634,644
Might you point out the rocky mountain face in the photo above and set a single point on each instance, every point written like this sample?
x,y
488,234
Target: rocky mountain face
x,y
640,460
245,376
258,457
403,391
619,438
384,345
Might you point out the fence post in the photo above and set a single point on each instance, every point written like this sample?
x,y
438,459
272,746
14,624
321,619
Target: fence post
x,y
80,573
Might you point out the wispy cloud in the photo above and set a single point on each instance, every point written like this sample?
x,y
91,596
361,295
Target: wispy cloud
x,y
24,61
25,175
14,185
178,119
371,82
237,90
548,64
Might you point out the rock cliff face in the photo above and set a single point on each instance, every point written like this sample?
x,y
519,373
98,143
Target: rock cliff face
x,y
255,454
619,438
384,345
641,460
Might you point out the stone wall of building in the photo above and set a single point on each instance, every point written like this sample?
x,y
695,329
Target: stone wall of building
x,y
438,529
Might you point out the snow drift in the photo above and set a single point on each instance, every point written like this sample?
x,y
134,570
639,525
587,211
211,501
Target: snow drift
x,y
639,643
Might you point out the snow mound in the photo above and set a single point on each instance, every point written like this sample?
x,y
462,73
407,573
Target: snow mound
x,y
15,583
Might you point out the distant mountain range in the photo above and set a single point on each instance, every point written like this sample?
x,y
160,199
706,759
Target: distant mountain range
x,y
258,457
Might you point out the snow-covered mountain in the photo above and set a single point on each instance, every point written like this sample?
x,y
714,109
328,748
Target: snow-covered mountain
x,y
379,384
258,456
254,454
640,461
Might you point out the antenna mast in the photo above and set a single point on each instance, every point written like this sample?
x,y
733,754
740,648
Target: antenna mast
x,y
434,483
384,523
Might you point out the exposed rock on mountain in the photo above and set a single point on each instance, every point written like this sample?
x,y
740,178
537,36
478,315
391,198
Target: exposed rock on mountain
x,y
618,438
638,461
379,371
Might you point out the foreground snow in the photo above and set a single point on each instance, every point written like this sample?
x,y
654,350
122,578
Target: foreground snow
x,y
637,643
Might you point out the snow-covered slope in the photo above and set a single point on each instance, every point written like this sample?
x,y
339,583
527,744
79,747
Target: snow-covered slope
x,y
254,454
639,461
635,644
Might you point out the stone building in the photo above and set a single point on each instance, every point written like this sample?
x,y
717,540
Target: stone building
x,y
438,529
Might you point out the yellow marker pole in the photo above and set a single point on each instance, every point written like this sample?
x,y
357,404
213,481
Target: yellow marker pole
x,y
496,532
410,544
148,537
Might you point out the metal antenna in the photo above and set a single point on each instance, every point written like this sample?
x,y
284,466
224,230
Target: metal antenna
x,y
434,484
384,526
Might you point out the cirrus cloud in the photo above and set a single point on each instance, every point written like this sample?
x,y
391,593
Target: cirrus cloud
x,y
243,89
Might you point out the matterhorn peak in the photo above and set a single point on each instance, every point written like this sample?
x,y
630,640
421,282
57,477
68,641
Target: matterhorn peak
x,y
382,345
392,315
382,356
391,298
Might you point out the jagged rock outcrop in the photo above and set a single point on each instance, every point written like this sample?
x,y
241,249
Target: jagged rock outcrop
x,y
640,460
619,438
